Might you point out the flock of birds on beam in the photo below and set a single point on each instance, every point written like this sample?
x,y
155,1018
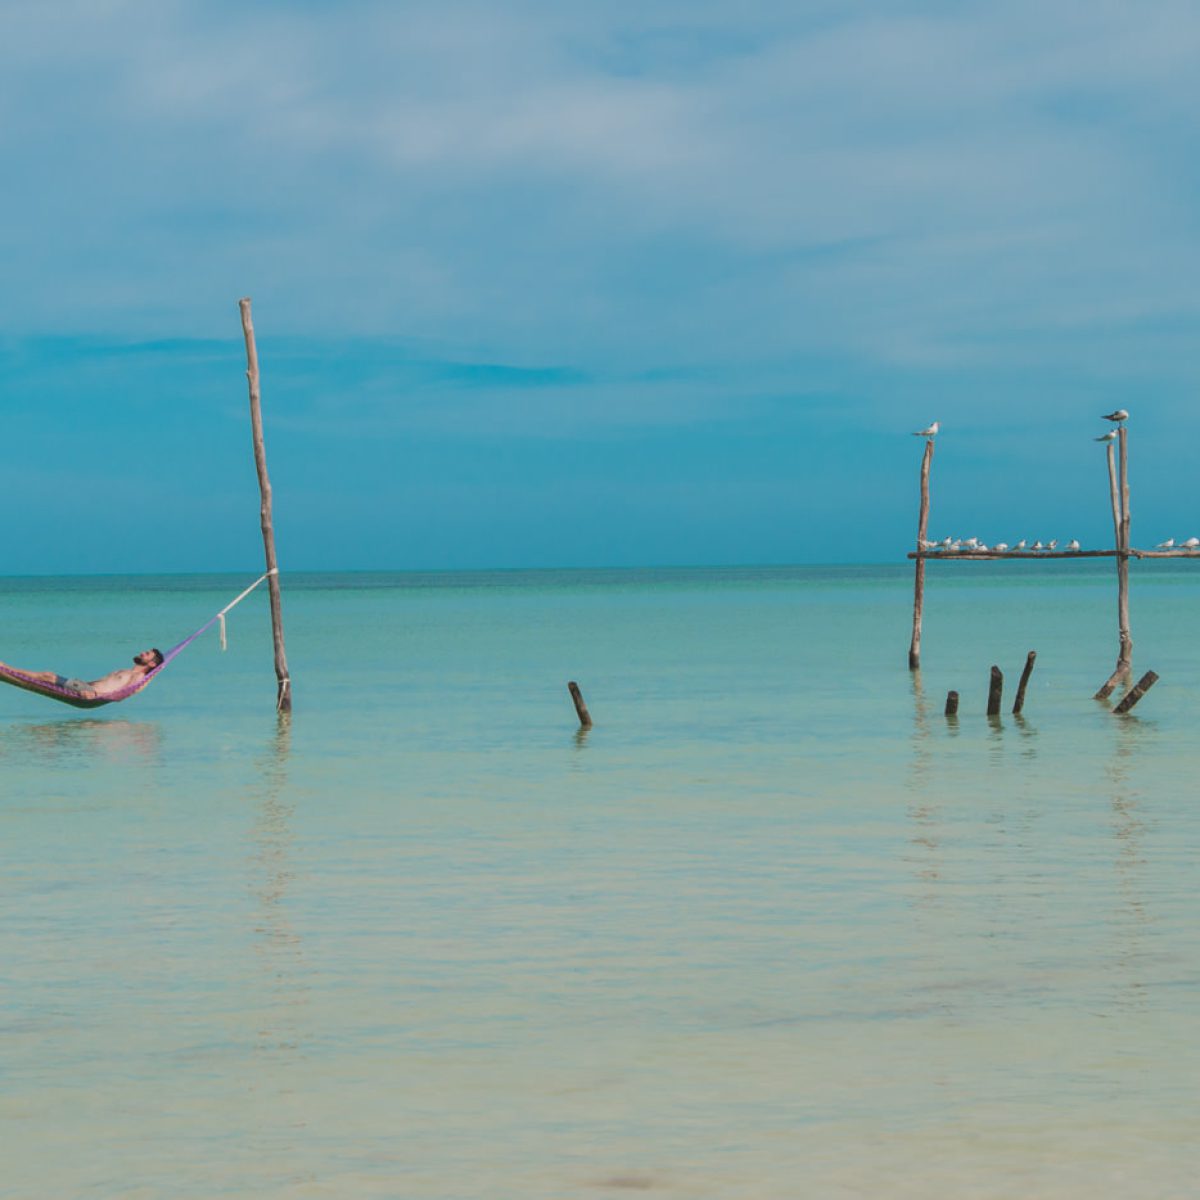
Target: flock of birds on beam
x,y
973,545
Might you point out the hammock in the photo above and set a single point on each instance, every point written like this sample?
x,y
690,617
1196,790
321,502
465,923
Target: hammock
x,y
53,691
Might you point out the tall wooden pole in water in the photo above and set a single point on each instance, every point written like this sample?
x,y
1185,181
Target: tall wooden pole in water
x,y
1126,637
283,700
914,649
1118,486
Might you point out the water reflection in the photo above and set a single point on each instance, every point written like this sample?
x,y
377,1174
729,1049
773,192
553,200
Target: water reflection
x,y
922,810
1131,919
923,751
1028,735
73,739
278,947
995,739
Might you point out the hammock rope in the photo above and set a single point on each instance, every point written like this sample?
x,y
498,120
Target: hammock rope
x,y
54,691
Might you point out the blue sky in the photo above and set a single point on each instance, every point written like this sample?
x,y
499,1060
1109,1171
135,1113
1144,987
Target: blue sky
x,y
591,284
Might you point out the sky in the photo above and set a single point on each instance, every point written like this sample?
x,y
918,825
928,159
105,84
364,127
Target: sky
x,y
554,283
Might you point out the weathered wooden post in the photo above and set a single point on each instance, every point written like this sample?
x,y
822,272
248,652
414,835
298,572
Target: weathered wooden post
x,y
1118,485
283,700
1019,702
1136,692
914,649
581,710
1126,638
952,704
995,691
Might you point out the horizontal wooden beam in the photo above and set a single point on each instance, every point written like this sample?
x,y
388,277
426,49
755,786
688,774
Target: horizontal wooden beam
x,y
991,556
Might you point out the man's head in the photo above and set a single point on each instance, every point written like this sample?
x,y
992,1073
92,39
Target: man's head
x,y
148,658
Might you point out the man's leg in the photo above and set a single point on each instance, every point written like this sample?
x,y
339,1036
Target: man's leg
x,y
40,676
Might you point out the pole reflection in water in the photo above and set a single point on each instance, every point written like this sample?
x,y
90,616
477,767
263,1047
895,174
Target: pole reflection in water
x,y
580,741
281,1032
1130,921
1028,734
922,809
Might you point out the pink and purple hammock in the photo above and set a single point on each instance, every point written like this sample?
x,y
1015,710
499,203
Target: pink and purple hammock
x,y
65,695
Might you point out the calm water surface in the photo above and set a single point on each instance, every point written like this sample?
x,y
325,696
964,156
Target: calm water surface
x,y
773,928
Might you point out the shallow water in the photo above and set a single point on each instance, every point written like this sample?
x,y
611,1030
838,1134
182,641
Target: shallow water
x,y
773,928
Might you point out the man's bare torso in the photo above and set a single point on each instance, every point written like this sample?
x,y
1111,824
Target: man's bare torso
x,y
115,681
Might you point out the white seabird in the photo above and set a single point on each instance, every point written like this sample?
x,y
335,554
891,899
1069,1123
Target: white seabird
x,y
1169,544
1190,544
1037,545
1073,544
1110,436
930,431
1052,544
1020,545
1001,547
1117,415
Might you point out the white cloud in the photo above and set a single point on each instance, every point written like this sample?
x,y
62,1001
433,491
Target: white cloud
x,y
663,182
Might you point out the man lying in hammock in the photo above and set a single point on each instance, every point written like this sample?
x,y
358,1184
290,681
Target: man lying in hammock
x,y
108,685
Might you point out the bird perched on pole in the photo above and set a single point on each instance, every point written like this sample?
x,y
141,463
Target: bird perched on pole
x,y
930,431
1110,436
1117,415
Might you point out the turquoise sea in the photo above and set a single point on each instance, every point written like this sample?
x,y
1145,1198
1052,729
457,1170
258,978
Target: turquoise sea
x,y
773,928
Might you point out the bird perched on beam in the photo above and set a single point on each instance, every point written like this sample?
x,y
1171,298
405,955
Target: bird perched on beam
x,y
1117,415
1110,436
930,431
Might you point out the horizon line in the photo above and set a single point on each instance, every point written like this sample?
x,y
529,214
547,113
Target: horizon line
x,y
903,561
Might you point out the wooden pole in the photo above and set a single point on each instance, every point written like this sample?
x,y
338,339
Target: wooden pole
x,y
914,649
1136,692
1114,493
1019,703
952,704
1118,486
283,699
581,710
995,690
1123,562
